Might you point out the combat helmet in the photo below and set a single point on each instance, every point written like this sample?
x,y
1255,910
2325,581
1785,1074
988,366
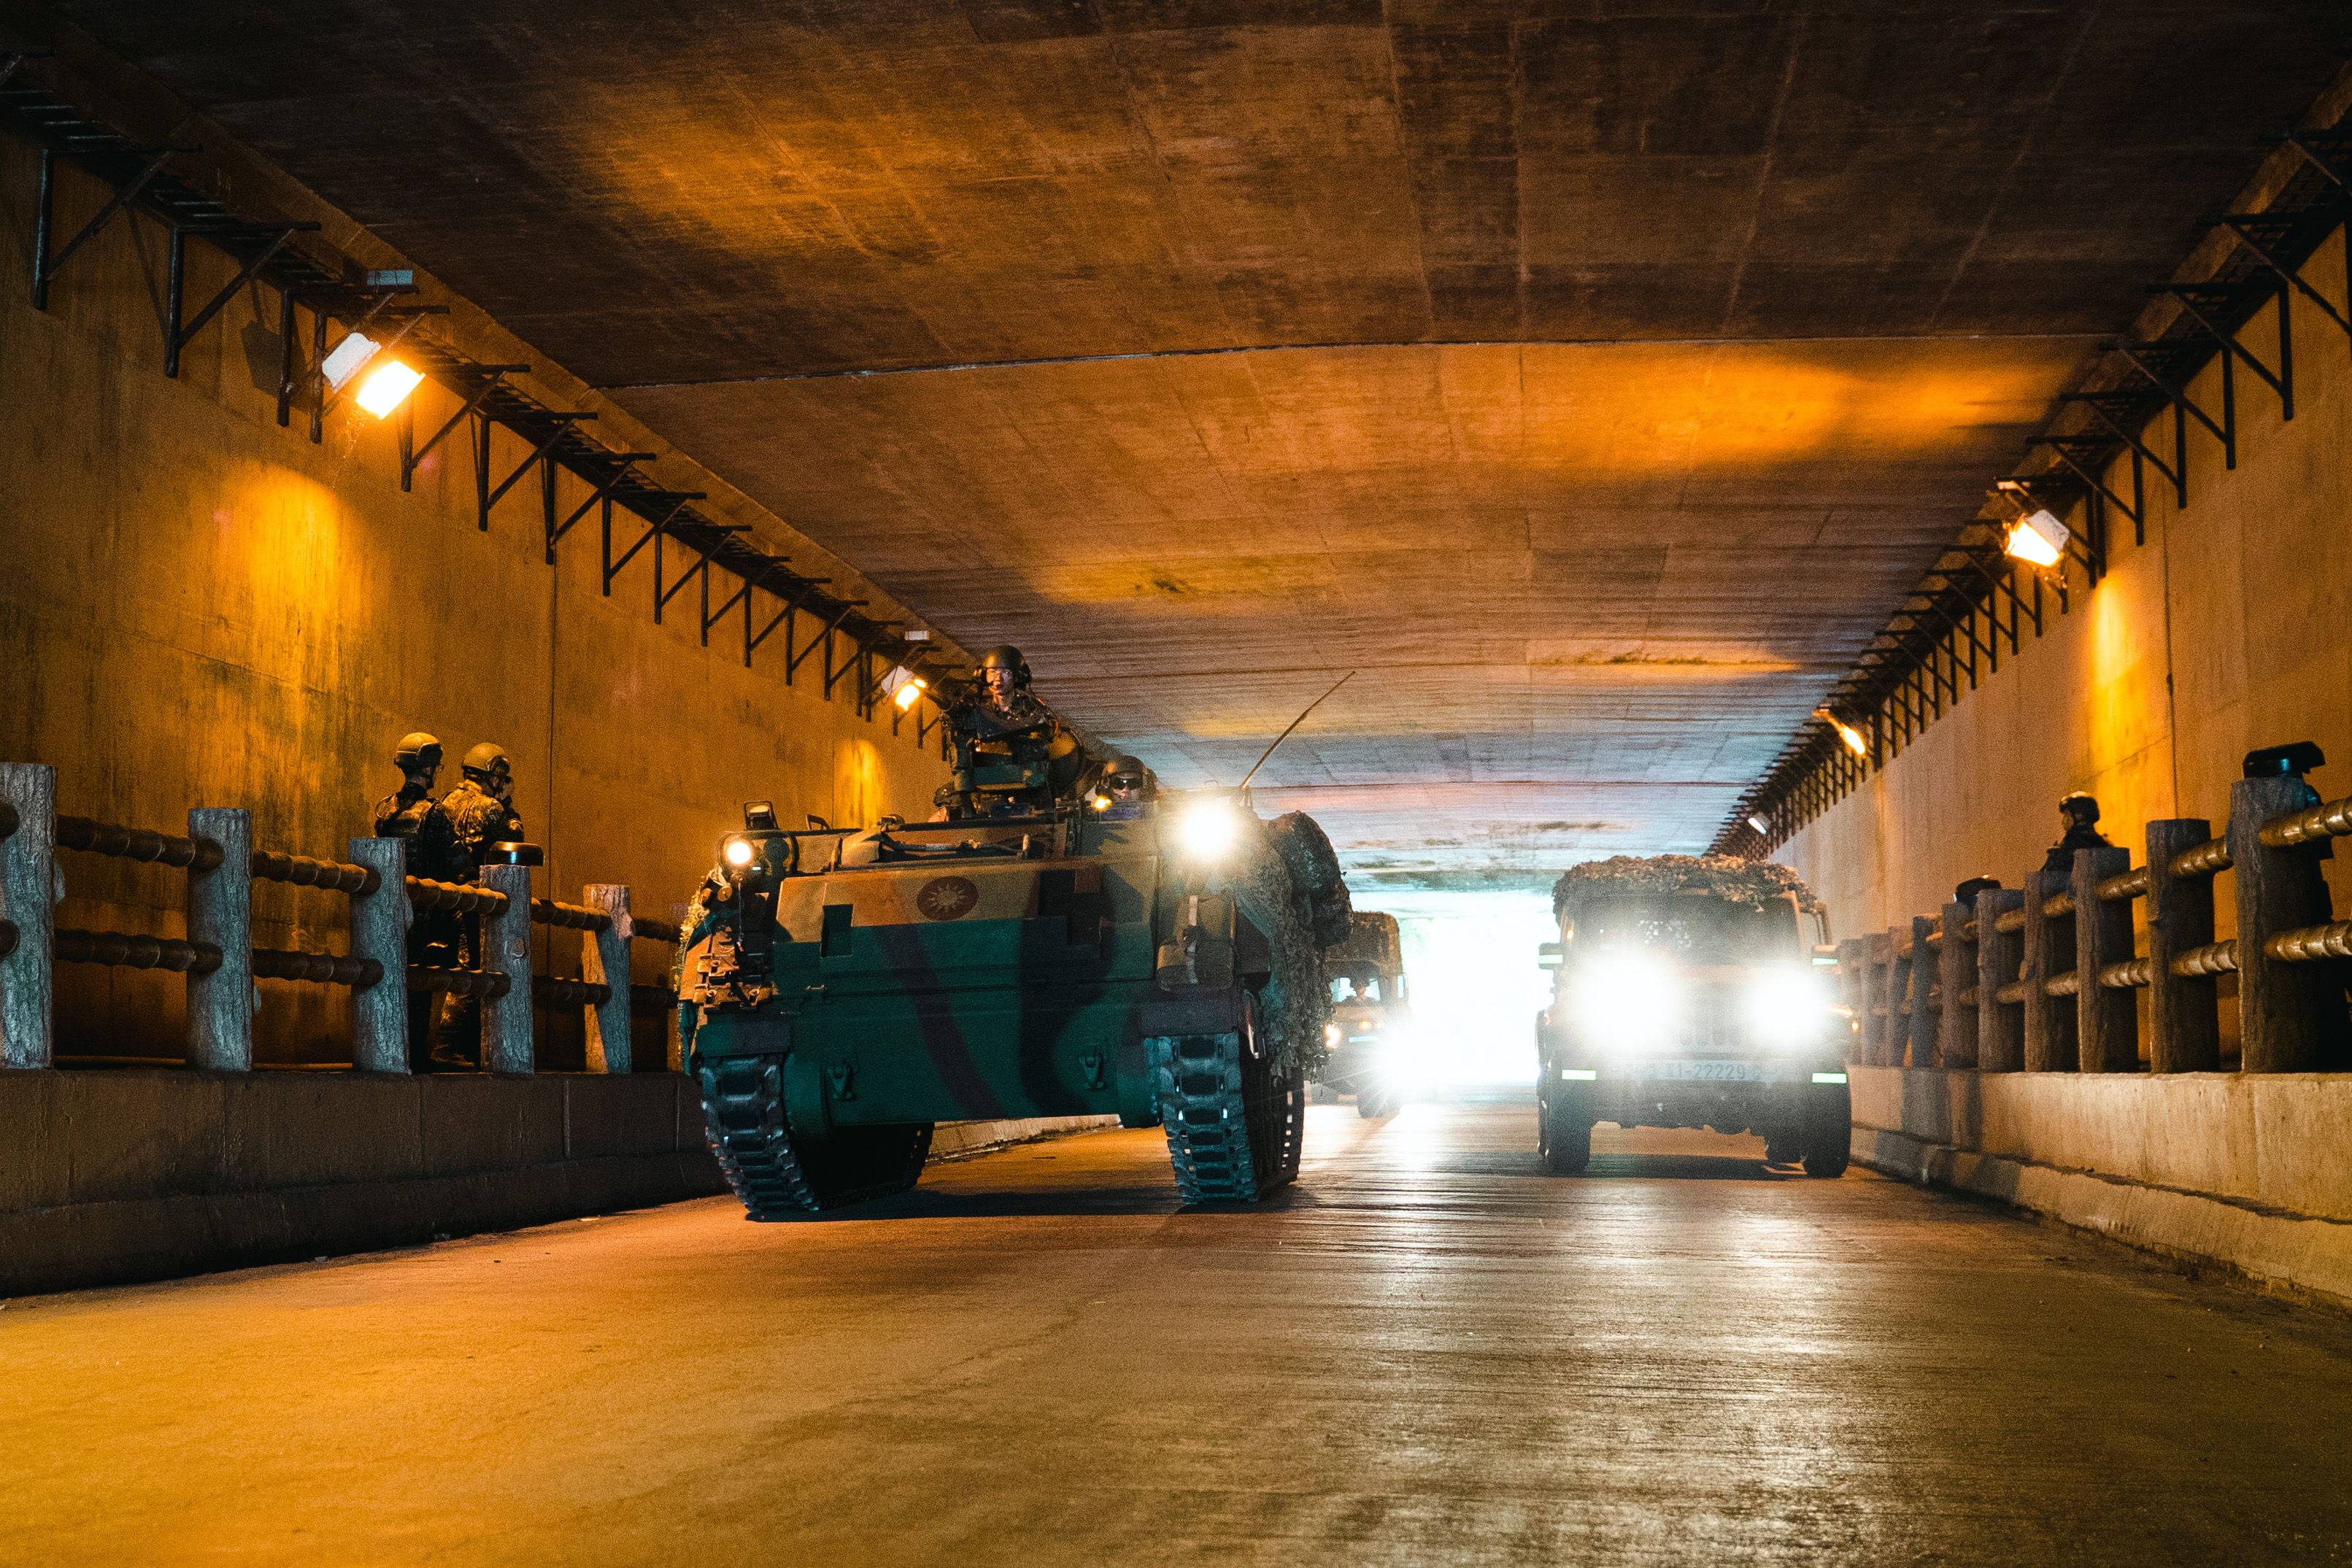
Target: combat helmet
x,y
417,752
2080,804
487,762
1005,656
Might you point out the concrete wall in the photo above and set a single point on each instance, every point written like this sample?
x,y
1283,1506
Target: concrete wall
x,y
2230,629
2250,1172
200,607
112,1178
107,1178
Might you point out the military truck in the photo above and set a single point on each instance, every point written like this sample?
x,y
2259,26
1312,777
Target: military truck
x,y
843,991
1690,992
1370,1018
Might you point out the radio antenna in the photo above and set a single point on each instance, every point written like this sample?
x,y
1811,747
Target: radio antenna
x,y
1295,723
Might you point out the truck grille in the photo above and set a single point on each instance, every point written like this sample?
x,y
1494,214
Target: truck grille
x,y
1713,1023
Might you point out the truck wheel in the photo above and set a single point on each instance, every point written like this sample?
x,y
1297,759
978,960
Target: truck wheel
x,y
1829,1130
1564,1129
1369,1102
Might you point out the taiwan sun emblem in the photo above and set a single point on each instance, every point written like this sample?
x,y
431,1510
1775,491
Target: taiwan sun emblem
x,y
947,898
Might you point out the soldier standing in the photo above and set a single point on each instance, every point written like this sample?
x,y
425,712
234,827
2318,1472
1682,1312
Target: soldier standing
x,y
1012,757
411,814
479,816
2079,812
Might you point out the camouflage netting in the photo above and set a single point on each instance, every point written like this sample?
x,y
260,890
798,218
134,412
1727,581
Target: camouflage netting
x,y
1297,1005
1722,876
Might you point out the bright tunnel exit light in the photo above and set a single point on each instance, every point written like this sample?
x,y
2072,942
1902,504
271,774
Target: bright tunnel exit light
x,y
2039,538
387,387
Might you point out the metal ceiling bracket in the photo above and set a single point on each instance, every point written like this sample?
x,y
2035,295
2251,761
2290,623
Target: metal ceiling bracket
x,y
791,605
603,492
44,266
2098,403
652,531
2148,359
175,336
2205,304
488,497
491,375
2245,224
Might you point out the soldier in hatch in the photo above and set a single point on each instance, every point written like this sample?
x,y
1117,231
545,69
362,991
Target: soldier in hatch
x,y
434,936
479,816
1126,788
1012,757
2079,812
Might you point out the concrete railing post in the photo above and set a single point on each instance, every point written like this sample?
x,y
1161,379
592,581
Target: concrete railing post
x,y
1854,993
506,948
2049,953
29,892
2284,1010
380,931
1877,998
604,958
2000,1026
2184,1014
220,911
1895,1039
1923,1001
1955,1030
2106,1023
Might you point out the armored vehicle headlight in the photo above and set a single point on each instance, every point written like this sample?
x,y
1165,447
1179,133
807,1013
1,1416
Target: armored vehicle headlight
x,y
740,853
1787,1007
1207,830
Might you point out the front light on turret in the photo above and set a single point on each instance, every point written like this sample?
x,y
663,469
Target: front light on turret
x,y
739,852
1207,830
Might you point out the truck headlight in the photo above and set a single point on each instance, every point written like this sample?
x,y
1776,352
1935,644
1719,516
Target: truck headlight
x,y
1787,1008
1625,995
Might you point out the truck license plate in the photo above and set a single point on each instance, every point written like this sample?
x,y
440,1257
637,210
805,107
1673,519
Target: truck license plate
x,y
1706,1071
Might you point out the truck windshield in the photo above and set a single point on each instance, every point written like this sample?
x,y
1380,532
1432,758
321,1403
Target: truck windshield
x,y
1352,984
1697,930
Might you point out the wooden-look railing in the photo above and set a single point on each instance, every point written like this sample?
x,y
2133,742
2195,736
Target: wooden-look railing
x,y
220,963
2041,979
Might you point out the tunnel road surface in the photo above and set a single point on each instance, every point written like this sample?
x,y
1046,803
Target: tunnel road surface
x,y
1428,1353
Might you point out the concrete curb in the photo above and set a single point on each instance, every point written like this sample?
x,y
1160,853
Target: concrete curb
x,y
955,1140
2295,1255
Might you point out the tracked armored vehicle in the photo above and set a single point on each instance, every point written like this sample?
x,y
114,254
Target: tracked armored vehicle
x,y
842,992
1688,994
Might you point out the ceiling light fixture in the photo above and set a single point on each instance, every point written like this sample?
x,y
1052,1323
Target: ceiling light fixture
x,y
1759,824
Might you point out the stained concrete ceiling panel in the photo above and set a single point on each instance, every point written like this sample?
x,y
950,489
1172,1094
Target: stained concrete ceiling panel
x,y
700,206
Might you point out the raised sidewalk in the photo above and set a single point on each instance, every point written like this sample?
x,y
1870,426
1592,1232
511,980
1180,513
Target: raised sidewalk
x,y
2253,1171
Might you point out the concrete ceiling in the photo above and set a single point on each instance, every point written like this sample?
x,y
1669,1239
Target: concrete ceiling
x,y
1592,377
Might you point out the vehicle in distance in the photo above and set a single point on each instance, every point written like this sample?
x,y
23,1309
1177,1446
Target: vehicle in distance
x,y
1370,1017
1690,992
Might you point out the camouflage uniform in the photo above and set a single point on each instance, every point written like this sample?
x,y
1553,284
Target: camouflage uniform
x,y
477,819
434,936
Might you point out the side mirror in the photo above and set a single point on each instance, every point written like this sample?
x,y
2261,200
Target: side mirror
x,y
1549,954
